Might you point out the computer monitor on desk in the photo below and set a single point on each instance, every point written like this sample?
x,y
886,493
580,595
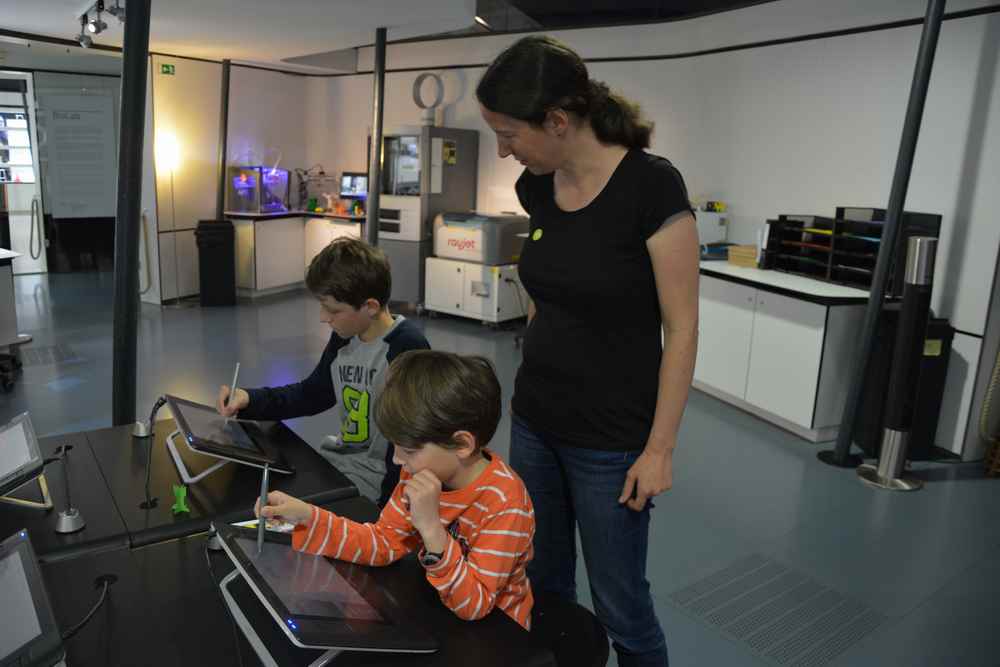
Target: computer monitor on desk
x,y
21,461
28,631
353,185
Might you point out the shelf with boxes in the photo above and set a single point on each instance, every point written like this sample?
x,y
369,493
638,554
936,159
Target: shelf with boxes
x,y
842,249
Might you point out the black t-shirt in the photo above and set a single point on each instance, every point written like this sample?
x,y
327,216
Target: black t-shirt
x,y
590,373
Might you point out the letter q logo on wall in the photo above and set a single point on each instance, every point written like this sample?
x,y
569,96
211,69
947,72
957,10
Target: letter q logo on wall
x,y
418,96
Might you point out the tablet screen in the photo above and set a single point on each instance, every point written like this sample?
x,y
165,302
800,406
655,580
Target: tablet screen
x,y
14,450
18,619
207,424
308,585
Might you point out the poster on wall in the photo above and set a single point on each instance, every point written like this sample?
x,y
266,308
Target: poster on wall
x,y
78,152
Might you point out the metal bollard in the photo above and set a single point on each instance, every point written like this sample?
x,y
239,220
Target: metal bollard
x,y
905,374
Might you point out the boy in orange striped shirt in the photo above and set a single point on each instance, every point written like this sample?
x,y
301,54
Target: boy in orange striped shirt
x,y
457,503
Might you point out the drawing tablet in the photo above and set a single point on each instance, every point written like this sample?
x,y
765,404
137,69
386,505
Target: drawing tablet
x,y
208,432
319,602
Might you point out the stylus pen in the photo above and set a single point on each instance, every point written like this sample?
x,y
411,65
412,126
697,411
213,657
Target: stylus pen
x,y
260,517
232,387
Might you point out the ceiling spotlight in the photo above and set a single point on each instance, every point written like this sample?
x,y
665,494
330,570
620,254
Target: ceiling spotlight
x,y
84,39
481,21
95,26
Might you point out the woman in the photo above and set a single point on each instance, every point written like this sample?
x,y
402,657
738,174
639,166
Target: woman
x,y
611,262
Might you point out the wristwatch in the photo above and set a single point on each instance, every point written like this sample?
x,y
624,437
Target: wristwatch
x,y
429,558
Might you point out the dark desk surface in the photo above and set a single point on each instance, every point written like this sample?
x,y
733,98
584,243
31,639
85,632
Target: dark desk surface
x,y
105,528
166,609
227,494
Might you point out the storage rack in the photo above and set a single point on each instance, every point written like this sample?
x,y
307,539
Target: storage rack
x,y
842,249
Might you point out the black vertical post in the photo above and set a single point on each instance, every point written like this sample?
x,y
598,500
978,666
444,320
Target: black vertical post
x,y
220,200
375,163
841,456
126,281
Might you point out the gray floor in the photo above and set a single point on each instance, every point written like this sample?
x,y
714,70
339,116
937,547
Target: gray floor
x,y
754,525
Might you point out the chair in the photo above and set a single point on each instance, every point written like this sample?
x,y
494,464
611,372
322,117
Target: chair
x,y
573,634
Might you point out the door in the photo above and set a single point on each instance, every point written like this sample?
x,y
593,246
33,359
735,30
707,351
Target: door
x,y
445,285
20,173
725,325
785,356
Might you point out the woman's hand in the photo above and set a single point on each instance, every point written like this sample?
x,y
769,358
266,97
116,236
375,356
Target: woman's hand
x,y
650,475
283,507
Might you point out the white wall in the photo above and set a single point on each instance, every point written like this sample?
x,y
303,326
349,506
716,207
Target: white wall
x,y
186,107
266,119
800,127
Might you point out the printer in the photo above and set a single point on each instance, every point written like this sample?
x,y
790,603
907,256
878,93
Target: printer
x,y
479,238
474,271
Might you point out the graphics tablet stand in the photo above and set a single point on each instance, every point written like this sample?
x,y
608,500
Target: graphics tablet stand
x,y
186,475
253,638
182,470
46,503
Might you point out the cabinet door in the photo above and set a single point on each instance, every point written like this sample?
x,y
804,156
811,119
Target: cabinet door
x,y
444,284
319,233
279,248
785,356
725,323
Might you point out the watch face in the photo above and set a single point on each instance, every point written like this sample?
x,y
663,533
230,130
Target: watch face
x,y
430,559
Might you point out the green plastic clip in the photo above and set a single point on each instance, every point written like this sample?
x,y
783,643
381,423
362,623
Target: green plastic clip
x,y
180,499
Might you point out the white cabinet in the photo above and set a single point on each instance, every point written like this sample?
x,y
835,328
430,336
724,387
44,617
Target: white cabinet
x,y
278,245
726,312
274,252
785,354
445,284
321,231
780,357
478,291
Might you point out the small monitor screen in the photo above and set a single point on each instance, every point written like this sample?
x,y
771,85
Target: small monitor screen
x,y
354,185
207,424
15,452
308,585
19,622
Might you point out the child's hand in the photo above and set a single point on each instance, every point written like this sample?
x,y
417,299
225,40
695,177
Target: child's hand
x,y
239,401
283,507
423,493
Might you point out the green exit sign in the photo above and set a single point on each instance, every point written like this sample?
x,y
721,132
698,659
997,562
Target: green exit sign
x,y
167,69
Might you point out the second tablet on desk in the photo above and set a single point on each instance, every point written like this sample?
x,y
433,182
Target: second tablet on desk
x,y
208,432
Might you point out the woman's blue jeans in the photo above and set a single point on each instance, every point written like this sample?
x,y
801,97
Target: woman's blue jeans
x,y
573,486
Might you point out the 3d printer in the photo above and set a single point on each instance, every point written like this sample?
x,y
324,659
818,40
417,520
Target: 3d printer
x,y
257,189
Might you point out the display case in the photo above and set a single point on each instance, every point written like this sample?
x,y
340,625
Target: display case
x,y
257,189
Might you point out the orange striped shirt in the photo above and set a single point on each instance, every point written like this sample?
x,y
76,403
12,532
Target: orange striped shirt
x,y
490,525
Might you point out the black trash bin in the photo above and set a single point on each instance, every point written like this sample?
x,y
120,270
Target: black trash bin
x,y
216,262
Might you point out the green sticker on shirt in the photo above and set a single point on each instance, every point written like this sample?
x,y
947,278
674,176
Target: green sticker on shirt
x,y
536,235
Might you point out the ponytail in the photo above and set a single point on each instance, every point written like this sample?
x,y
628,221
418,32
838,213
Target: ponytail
x,y
538,74
615,119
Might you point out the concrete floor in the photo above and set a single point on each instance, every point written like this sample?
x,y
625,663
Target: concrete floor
x,y
760,555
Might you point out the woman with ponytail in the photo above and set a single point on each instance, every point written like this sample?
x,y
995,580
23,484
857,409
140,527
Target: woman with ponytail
x,y
611,265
